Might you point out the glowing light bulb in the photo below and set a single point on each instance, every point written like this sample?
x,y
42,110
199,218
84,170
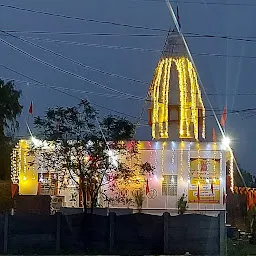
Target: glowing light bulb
x,y
150,178
226,141
181,178
214,180
162,178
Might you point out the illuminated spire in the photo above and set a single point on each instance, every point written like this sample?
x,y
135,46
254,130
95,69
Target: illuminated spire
x,y
177,105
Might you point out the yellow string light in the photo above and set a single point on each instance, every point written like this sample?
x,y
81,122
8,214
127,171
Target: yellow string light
x,y
198,160
189,153
231,170
190,99
162,158
181,160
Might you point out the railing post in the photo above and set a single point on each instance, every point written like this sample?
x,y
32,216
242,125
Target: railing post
x,y
6,232
166,232
58,227
223,234
112,217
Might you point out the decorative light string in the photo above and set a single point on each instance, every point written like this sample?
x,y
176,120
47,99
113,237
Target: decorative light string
x,y
214,162
156,163
231,170
189,153
172,161
198,161
160,98
181,160
208,168
220,165
156,87
25,153
162,158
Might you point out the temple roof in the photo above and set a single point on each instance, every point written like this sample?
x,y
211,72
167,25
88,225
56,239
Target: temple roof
x,y
174,45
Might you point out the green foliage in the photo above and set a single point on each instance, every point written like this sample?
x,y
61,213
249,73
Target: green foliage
x,y
10,107
81,150
182,204
139,199
6,202
117,129
240,248
245,177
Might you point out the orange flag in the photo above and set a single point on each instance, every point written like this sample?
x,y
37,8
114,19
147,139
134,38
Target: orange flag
x,y
31,108
224,196
214,137
212,188
198,192
147,188
224,117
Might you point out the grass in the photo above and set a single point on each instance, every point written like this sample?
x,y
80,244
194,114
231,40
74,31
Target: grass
x,y
240,248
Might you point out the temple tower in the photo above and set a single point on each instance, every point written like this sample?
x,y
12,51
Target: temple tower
x,y
177,111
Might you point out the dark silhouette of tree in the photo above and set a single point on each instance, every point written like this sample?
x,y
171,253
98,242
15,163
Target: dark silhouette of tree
x,y
83,152
244,177
10,109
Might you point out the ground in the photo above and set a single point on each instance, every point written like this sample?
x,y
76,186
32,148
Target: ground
x,y
5,196
240,248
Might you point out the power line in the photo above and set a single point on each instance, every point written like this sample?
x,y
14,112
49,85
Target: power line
x,y
188,35
65,71
63,92
91,44
71,33
109,109
197,2
233,38
74,61
115,47
82,19
75,90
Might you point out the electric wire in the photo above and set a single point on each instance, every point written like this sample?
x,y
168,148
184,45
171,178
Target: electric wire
x,y
74,61
65,71
63,92
81,19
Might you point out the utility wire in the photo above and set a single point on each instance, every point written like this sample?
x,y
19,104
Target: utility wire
x,y
75,90
188,35
81,19
71,33
72,60
65,71
196,2
63,92
219,55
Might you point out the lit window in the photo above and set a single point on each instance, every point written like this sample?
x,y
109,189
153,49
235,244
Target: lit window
x,y
169,185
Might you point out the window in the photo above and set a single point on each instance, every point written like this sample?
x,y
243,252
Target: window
x,y
169,185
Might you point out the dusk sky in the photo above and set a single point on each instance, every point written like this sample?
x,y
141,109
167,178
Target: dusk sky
x,y
228,78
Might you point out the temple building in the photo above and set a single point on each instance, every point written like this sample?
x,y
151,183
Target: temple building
x,y
185,162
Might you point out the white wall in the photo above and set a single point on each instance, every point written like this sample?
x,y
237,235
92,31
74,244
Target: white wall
x,y
162,160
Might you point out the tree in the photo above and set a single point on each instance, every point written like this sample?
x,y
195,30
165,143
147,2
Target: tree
x,y
244,177
79,150
10,109
117,129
